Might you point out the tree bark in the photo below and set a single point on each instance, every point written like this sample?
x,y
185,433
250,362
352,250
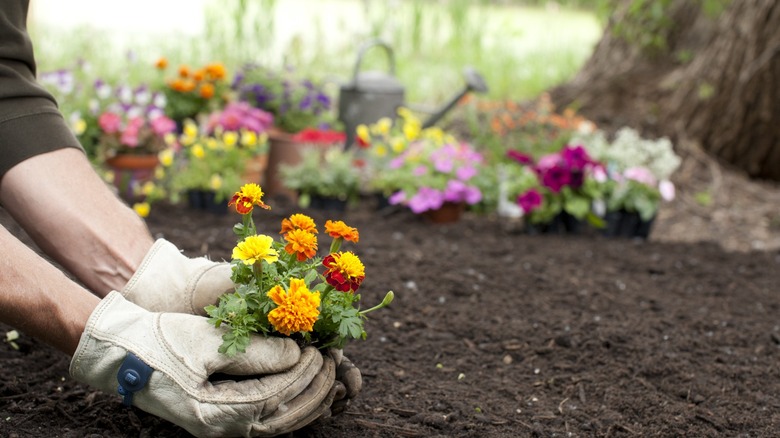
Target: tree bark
x,y
725,98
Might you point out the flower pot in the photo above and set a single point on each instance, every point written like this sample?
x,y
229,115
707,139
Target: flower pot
x,y
283,150
449,212
328,203
130,172
205,200
562,223
623,223
255,170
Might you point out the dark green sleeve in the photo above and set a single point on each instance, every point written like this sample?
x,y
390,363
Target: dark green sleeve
x,y
30,122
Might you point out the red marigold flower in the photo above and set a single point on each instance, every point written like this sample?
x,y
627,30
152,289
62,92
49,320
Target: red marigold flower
x,y
301,243
345,272
245,199
338,229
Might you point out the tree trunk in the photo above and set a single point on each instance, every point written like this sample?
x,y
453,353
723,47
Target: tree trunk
x,y
726,97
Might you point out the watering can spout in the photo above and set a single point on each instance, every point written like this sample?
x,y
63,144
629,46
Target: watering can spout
x,y
474,82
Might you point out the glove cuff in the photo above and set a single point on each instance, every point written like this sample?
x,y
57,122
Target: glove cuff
x,y
169,281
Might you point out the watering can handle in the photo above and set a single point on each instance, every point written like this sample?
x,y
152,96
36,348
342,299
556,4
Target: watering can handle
x,y
364,49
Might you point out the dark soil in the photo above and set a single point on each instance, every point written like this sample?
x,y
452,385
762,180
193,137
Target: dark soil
x,y
496,334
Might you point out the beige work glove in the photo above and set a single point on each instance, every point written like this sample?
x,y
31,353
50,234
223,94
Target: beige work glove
x,y
289,389
169,281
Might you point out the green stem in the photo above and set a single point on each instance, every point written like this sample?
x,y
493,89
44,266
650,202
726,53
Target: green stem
x,y
336,245
388,299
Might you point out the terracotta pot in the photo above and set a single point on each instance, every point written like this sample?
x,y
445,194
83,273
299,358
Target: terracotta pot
x,y
283,151
131,171
255,170
448,213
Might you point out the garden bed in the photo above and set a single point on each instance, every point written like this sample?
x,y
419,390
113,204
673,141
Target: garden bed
x,y
495,334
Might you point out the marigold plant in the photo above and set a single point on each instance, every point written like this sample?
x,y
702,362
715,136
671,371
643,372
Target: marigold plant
x,y
283,288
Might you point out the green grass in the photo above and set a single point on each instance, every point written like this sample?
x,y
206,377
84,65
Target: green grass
x,y
521,51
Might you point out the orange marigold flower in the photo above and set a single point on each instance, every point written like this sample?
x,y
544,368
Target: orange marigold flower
x,y
296,310
345,272
216,71
199,75
162,63
298,221
340,229
207,91
301,243
184,71
245,199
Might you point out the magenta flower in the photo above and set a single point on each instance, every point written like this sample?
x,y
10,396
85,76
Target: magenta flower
x,y
529,200
426,199
520,157
576,157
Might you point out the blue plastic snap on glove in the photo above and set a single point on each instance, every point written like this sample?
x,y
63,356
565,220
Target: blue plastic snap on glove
x,y
132,377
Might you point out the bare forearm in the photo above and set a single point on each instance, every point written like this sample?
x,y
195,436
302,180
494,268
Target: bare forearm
x,y
75,219
38,299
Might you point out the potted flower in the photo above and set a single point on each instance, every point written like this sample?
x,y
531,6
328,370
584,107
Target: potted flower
x,y
209,163
132,131
328,176
297,103
638,178
242,117
191,92
427,170
557,192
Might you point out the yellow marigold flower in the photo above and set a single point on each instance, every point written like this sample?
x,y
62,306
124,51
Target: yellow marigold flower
x,y
298,221
147,188
363,134
411,130
383,125
245,199
79,126
256,248
159,172
398,145
198,151
199,75
142,208
212,144
215,182
166,157
380,150
230,138
184,71
301,243
248,138
405,113
340,229
296,310
436,134
170,139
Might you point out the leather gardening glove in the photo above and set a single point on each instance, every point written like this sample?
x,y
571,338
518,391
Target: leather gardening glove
x,y
161,362
169,281
349,375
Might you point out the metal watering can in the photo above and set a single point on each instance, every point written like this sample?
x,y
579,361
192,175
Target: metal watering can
x,y
371,95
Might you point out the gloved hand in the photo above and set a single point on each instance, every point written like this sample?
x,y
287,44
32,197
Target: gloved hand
x,y
291,388
169,281
349,375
